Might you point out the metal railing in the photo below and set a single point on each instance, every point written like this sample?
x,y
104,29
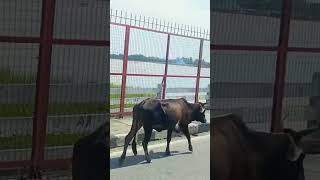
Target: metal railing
x,y
130,23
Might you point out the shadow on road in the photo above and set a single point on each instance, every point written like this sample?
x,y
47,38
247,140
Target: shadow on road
x,y
139,159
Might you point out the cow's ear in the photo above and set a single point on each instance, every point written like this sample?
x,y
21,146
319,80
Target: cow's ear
x,y
294,152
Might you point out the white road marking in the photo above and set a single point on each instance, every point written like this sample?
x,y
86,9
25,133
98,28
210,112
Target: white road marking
x,y
118,153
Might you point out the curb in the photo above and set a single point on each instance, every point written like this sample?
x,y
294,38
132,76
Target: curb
x,y
194,128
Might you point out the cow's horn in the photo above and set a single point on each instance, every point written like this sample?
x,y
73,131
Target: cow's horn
x,y
307,131
202,104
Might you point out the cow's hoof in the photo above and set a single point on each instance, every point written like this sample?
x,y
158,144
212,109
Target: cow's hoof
x,y
135,153
190,148
177,128
121,159
148,160
168,153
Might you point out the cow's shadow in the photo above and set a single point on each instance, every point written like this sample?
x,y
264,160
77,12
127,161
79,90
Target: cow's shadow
x,y
140,159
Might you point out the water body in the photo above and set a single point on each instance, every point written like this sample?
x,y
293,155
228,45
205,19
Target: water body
x,y
136,67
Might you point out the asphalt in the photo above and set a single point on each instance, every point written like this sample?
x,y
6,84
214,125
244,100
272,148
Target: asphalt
x,y
312,167
181,164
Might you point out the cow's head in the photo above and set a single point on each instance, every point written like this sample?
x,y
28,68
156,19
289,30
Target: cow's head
x,y
199,112
295,154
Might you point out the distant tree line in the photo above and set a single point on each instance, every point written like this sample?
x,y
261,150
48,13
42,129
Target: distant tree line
x,y
177,61
274,5
302,9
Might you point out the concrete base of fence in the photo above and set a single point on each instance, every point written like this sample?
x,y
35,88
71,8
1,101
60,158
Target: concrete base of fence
x,y
194,128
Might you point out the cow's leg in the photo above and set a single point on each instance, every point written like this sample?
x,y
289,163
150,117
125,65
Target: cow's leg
x,y
134,129
147,136
134,143
169,133
185,131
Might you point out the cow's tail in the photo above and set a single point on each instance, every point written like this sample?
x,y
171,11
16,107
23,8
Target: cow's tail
x,y
136,126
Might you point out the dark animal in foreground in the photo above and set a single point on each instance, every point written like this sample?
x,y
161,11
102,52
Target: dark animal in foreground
x,y
240,153
162,115
90,156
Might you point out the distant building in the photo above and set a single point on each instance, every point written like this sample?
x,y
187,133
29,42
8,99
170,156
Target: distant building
x,y
180,62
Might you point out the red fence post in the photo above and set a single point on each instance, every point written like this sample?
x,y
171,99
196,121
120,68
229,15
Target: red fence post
x,y
164,81
43,83
276,124
124,71
196,96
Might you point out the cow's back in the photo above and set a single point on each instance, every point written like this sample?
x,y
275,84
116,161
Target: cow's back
x,y
156,112
149,111
176,109
228,150
248,154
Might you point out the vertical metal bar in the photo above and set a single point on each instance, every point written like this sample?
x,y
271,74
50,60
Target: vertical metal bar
x,y
183,29
196,96
42,87
152,23
188,30
276,124
124,71
120,17
175,27
135,19
164,81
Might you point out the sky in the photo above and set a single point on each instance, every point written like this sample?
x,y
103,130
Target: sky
x,y
194,13
190,12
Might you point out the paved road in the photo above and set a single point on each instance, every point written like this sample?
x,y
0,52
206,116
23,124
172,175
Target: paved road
x,y
312,167
180,165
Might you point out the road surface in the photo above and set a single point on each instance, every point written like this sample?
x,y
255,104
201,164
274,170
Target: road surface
x,y
181,164
312,167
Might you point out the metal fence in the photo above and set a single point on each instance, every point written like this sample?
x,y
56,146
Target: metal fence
x,y
53,79
265,64
153,58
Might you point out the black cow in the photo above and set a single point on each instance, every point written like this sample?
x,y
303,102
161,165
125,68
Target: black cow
x,y
90,156
240,153
160,115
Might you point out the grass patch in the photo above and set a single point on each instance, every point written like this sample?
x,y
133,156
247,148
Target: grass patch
x,y
8,77
21,142
117,106
26,110
112,85
117,96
